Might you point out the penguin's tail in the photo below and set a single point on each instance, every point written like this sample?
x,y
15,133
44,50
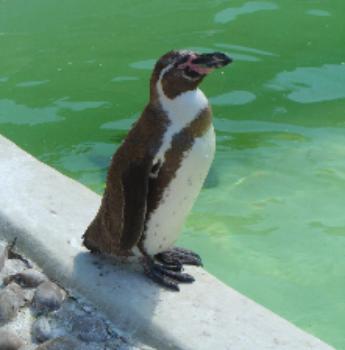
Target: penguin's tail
x,y
90,238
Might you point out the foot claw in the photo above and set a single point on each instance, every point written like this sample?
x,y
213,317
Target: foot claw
x,y
164,281
170,265
179,256
176,275
166,276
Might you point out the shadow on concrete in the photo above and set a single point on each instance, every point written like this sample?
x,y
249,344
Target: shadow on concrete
x,y
122,291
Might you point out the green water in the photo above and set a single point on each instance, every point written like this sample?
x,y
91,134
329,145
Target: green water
x,y
270,221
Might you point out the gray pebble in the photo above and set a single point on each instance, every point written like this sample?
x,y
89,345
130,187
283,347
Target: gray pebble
x,y
13,266
66,314
93,346
48,297
117,344
120,344
90,328
28,347
62,343
29,278
41,330
3,255
12,298
9,341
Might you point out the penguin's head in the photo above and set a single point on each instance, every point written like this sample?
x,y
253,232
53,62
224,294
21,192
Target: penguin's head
x,y
181,71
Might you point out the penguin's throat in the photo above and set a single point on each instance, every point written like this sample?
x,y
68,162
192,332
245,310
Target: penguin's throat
x,y
183,108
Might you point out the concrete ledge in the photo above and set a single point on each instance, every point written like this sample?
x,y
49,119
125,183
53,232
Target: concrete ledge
x,y
49,212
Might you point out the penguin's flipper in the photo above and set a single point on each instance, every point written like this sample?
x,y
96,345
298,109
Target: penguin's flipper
x,y
135,180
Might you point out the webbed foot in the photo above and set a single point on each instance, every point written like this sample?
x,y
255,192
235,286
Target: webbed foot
x,y
167,275
179,256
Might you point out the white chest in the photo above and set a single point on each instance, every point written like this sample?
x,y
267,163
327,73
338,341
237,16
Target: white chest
x,y
165,223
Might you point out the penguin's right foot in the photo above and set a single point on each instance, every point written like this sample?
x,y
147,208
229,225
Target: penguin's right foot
x,y
168,276
180,256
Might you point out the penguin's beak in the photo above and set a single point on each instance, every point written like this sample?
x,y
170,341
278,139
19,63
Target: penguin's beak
x,y
205,63
196,65
211,60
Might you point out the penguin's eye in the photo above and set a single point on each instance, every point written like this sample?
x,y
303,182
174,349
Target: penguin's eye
x,y
184,64
180,62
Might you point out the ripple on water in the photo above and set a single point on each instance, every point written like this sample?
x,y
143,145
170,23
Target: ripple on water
x,y
146,64
242,53
124,78
329,229
19,114
312,84
233,98
231,13
84,156
32,83
240,57
245,49
86,161
78,106
319,13
120,124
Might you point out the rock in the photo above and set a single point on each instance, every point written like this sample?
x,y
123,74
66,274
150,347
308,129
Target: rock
x,y
62,343
28,347
12,254
41,330
3,255
12,298
48,297
94,346
90,328
66,314
29,278
117,344
9,341
13,266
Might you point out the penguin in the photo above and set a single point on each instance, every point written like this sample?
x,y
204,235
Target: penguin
x,y
158,171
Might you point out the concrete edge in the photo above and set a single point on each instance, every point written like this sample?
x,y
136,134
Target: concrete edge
x,y
48,212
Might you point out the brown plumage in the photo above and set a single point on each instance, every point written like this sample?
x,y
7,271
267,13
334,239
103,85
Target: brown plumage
x,y
121,215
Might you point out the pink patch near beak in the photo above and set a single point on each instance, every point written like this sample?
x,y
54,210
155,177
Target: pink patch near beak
x,y
196,68
200,69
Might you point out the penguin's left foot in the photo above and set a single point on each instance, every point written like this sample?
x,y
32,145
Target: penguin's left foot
x,y
168,276
179,256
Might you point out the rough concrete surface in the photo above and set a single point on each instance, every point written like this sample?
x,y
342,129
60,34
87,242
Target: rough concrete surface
x,y
49,212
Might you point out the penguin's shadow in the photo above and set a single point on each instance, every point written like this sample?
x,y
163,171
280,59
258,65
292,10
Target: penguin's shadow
x,y
120,290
